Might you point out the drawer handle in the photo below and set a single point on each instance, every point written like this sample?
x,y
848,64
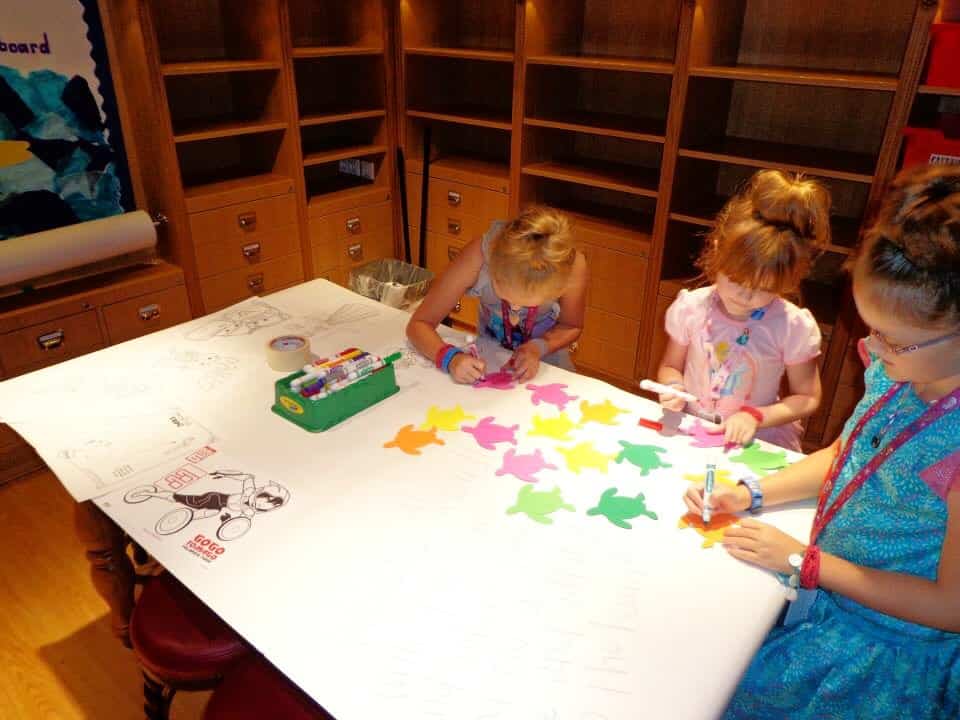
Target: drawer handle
x,y
453,227
355,251
353,226
454,198
255,282
248,221
452,252
458,307
574,347
51,340
149,312
251,251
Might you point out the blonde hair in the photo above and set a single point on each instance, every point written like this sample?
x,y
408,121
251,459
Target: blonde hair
x,y
910,257
766,236
534,252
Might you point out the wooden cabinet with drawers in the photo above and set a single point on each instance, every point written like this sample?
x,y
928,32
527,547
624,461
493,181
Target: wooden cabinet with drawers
x,y
145,314
461,207
57,323
246,248
341,241
617,262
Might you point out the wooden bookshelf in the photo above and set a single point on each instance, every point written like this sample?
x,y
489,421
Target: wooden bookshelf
x,y
338,117
302,53
462,53
611,176
319,158
855,81
638,119
603,63
934,90
842,165
211,67
227,129
478,116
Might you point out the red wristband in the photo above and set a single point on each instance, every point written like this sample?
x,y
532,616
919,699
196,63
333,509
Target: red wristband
x,y
810,570
753,412
438,358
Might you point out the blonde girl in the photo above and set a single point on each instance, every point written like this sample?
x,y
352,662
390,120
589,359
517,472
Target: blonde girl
x,y
532,286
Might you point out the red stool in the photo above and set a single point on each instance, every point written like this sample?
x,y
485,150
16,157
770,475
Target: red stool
x,y
180,643
254,690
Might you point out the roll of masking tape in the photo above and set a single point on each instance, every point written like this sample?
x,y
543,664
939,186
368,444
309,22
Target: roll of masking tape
x,y
288,353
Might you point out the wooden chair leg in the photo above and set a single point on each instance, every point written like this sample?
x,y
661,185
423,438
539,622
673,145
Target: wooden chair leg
x,y
110,569
157,697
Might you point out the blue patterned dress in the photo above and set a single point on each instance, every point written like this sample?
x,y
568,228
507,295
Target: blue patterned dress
x,y
846,660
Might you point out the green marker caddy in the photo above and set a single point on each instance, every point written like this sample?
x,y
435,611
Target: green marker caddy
x,y
319,415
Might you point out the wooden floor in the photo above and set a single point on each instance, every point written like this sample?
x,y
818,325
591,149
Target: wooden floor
x,y
59,660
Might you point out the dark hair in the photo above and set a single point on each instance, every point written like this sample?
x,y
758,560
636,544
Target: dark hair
x,y
911,255
766,235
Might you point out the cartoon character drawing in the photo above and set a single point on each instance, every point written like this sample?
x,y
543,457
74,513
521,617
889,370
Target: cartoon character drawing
x,y
234,510
246,319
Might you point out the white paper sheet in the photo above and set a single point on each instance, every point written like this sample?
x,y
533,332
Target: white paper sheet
x,y
395,585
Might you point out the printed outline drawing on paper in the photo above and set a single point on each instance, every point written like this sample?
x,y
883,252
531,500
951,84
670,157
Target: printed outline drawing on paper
x,y
235,510
85,457
246,319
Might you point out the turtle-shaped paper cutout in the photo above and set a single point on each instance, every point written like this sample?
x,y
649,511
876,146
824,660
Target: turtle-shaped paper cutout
x,y
722,476
449,419
524,467
620,508
500,380
712,533
604,413
553,393
705,437
539,505
585,455
644,457
761,462
410,440
487,433
558,427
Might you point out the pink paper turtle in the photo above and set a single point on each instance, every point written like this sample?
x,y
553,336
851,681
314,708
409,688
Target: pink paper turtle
x,y
705,437
487,433
524,467
552,393
500,380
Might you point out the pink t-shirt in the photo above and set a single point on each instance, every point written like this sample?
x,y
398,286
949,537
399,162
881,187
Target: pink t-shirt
x,y
731,363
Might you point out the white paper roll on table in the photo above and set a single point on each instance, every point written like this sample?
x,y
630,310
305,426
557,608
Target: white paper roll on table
x,y
40,254
288,353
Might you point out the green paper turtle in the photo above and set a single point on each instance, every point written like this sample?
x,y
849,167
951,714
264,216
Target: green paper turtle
x,y
760,461
644,457
620,508
538,505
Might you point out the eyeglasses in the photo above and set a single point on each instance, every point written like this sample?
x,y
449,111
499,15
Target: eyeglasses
x,y
907,349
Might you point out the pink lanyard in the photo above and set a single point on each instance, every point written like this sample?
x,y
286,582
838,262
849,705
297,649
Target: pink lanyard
x,y
525,333
825,515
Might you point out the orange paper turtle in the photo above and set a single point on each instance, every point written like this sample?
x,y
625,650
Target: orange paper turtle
x,y
410,440
712,533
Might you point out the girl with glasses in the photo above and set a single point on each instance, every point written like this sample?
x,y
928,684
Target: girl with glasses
x,y
876,629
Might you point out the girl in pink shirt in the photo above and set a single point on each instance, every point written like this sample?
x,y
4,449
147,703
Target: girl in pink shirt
x,y
731,342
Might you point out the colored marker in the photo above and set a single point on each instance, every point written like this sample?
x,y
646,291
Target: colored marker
x,y
471,347
708,491
650,424
653,386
